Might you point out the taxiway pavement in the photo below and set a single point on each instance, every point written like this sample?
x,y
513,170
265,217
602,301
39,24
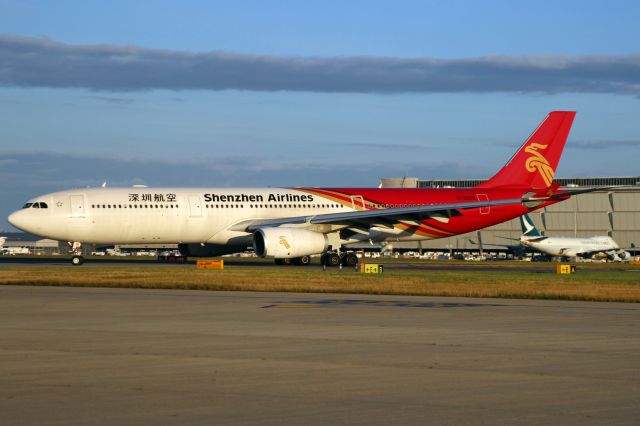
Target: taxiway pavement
x,y
129,356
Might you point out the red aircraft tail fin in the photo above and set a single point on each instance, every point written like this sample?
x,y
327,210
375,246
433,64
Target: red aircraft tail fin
x,y
534,165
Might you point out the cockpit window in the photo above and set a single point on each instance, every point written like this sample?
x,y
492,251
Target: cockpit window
x,y
38,205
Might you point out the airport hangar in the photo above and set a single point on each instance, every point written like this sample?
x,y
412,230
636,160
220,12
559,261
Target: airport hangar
x,y
612,212
615,213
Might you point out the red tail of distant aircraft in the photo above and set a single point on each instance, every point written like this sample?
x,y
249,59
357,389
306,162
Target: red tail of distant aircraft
x,y
295,223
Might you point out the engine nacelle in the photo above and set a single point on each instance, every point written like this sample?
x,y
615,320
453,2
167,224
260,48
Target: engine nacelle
x,y
625,256
286,243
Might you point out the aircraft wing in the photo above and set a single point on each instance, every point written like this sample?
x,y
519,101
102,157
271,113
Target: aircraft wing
x,y
386,217
382,217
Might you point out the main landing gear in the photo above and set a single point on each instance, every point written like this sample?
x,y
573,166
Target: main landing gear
x,y
330,259
347,259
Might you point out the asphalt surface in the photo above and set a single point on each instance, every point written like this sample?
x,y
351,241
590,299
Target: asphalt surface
x,y
128,356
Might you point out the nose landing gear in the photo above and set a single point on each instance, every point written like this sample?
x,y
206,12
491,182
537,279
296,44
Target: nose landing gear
x,y
76,251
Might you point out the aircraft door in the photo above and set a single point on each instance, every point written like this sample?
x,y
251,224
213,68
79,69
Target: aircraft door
x,y
484,197
77,206
357,202
195,206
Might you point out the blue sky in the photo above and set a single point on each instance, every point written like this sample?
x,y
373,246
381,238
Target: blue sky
x,y
328,93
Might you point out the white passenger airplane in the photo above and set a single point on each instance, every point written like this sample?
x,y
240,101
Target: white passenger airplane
x,y
294,223
603,247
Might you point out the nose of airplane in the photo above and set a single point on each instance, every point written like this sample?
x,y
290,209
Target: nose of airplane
x,y
18,220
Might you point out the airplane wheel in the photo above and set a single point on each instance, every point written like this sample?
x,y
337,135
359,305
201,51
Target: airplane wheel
x,y
332,259
350,260
77,260
303,260
282,261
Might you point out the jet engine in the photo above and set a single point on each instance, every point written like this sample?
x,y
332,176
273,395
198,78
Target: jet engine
x,y
619,256
624,255
286,243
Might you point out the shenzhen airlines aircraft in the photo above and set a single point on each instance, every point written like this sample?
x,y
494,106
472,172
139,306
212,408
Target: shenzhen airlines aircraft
x,y
295,223
598,247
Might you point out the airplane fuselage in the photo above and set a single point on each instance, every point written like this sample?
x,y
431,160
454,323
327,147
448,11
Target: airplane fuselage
x,y
571,247
209,215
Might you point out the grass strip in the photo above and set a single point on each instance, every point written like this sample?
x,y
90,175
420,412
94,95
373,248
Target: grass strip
x,y
610,286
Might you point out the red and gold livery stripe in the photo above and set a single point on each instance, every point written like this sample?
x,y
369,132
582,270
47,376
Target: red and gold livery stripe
x,y
350,200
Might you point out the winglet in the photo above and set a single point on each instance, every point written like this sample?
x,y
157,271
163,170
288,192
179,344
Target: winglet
x,y
535,163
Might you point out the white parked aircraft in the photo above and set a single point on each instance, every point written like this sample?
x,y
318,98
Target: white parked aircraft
x,y
592,247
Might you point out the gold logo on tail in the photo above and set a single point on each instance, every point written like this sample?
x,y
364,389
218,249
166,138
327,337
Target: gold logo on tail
x,y
284,242
538,162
